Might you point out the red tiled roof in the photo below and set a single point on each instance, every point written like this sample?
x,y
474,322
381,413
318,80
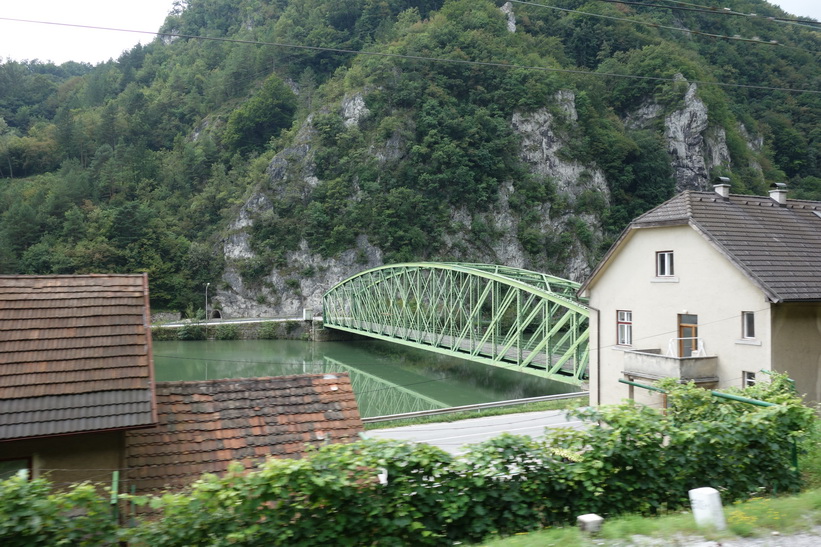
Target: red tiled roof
x,y
75,354
203,426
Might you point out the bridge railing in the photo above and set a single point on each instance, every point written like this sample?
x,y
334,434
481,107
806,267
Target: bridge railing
x,y
480,406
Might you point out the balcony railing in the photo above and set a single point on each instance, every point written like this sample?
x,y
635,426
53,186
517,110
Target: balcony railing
x,y
677,346
652,364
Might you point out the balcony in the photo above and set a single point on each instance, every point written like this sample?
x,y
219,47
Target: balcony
x,y
652,365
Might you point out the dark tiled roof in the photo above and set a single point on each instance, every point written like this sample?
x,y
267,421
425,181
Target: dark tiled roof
x,y
203,426
777,246
74,354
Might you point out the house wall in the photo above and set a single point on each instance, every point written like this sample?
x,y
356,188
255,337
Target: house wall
x,y
71,458
705,284
796,346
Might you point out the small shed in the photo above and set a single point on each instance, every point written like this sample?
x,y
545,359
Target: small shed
x,y
76,372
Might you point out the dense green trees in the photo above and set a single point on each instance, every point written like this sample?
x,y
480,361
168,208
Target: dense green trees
x,y
141,163
270,110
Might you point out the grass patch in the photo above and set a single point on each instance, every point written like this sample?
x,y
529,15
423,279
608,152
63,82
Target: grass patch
x,y
561,404
809,457
757,517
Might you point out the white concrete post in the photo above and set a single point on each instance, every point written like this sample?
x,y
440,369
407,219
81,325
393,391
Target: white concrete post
x,y
707,509
590,523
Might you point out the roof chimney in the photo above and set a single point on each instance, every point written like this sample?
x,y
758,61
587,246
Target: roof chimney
x,y
722,187
778,192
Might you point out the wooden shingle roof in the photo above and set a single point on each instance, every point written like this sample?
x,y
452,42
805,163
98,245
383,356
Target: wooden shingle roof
x,y
205,425
778,246
75,355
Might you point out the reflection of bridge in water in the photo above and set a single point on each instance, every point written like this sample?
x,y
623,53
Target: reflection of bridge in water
x,y
377,396
505,317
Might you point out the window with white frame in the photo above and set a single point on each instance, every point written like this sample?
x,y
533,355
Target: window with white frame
x,y
664,264
624,328
747,325
747,379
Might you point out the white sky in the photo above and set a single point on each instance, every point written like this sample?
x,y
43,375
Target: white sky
x,y
28,41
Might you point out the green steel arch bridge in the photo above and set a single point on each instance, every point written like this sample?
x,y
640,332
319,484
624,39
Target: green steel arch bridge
x,y
506,317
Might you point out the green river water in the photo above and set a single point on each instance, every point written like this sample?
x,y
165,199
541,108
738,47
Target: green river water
x,y
387,378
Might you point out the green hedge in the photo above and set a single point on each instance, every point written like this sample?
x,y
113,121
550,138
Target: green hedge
x,y
638,461
31,514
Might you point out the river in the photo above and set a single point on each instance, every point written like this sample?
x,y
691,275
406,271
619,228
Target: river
x,y
387,378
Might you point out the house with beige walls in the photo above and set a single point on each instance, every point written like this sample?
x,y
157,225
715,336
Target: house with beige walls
x,y
711,287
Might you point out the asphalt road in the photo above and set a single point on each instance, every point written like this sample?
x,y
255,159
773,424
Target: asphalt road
x,y
455,436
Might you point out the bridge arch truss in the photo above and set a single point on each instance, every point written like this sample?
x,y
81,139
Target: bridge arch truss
x,y
501,316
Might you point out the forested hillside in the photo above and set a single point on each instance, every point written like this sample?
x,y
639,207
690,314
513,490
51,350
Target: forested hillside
x,y
273,147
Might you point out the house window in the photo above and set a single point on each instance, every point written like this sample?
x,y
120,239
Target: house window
x,y
8,468
747,324
688,343
747,379
624,327
664,264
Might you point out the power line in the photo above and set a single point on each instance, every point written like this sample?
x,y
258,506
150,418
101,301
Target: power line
x,y
433,59
725,11
711,10
669,332
666,27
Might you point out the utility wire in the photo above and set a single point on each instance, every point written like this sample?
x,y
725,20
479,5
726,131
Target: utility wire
x,y
710,10
432,59
666,27
669,332
725,11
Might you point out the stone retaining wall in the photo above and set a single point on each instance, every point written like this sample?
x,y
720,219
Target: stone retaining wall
x,y
267,330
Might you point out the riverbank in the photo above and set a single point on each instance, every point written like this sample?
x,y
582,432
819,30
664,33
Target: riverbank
x,y
287,328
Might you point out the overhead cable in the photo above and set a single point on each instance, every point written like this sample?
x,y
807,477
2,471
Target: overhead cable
x,y
727,11
710,10
428,58
665,27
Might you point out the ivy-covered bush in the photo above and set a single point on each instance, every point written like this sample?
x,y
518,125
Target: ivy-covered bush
x,y
227,332
631,459
191,331
163,334
32,514
268,331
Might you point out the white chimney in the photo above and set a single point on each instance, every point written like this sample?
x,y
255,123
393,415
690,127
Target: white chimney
x,y
722,187
778,193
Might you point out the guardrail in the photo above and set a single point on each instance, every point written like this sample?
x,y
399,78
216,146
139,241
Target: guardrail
x,y
480,406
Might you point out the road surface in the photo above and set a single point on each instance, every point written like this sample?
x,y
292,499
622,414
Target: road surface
x,y
454,437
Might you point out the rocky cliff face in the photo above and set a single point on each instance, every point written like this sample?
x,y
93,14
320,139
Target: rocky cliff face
x,y
695,147
284,294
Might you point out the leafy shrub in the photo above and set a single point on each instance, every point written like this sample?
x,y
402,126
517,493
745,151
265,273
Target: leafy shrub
x,y
32,514
227,332
268,331
638,461
191,331
161,334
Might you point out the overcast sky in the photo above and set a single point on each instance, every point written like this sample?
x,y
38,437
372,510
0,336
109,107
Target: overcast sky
x,y
28,41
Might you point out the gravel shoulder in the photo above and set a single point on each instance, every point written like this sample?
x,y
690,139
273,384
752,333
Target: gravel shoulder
x,y
811,538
